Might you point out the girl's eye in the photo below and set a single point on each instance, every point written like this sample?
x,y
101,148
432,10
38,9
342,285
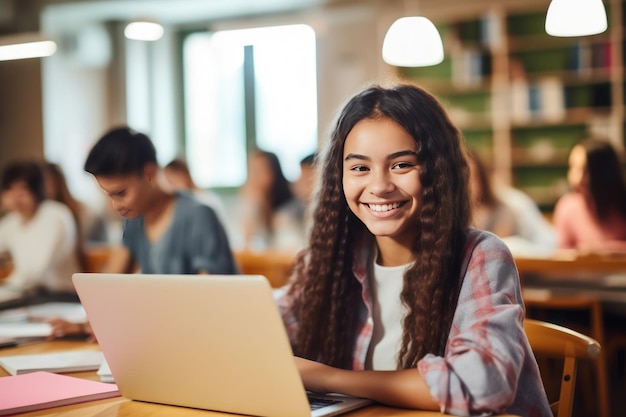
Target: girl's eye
x,y
359,168
403,165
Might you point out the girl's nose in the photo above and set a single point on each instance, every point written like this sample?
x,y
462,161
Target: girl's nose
x,y
381,183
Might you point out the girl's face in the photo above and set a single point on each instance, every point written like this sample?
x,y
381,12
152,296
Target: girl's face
x,y
577,168
19,199
381,179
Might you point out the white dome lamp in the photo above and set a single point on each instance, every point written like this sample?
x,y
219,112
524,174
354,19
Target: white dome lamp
x,y
576,18
144,30
412,42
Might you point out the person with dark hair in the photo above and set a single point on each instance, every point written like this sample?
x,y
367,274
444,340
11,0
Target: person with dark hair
x,y
592,216
166,233
396,298
39,235
265,193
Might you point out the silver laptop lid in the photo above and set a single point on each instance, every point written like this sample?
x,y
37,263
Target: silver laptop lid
x,y
203,341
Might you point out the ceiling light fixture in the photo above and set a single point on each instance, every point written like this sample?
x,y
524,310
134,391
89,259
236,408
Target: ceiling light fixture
x,y
412,42
143,31
25,45
575,18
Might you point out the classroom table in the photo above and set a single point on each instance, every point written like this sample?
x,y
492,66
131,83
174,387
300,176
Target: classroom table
x,y
123,407
569,265
601,276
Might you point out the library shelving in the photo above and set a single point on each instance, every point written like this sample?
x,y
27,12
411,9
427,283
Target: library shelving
x,y
523,98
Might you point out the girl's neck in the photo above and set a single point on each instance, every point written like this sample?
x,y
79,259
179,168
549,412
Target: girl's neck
x,y
392,252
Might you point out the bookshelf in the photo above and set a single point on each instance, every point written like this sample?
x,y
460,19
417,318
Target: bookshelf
x,y
523,98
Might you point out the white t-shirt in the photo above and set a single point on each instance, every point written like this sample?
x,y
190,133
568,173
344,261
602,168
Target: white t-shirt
x,y
43,250
388,314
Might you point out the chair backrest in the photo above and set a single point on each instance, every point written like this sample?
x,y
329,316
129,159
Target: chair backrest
x,y
276,266
96,258
551,340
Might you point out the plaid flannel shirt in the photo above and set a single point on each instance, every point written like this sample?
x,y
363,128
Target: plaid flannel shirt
x,y
488,366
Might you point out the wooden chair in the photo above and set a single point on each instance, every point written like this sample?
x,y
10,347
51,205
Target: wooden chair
x,y
551,340
96,258
541,305
276,266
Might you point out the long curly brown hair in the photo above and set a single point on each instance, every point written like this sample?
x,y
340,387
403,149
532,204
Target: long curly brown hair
x,y
326,294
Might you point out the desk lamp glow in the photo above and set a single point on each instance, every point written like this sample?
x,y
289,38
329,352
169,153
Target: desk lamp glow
x,y
412,42
576,18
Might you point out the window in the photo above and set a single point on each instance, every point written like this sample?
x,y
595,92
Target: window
x,y
244,89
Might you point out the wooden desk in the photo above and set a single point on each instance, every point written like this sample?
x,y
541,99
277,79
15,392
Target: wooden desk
x,y
122,407
577,267
603,277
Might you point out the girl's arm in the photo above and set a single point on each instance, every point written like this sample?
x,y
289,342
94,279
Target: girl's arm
x,y
404,388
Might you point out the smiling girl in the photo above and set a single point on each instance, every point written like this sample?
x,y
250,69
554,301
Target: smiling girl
x,y
396,299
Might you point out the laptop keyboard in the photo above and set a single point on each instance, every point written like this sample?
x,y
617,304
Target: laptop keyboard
x,y
318,402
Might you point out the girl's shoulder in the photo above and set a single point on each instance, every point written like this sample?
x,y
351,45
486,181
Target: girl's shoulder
x,y
482,238
570,200
485,245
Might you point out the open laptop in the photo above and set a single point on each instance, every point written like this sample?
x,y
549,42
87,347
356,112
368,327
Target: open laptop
x,y
214,342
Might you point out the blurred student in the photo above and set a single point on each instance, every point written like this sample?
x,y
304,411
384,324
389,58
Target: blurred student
x,y
294,221
488,211
179,178
508,212
265,194
535,236
91,225
39,235
304,186
591,218
396,298
164,233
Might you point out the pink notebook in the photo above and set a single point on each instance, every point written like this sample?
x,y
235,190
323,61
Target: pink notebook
x,y
40,390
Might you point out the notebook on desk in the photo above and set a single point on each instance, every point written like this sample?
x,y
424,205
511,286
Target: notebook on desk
x,y
202,341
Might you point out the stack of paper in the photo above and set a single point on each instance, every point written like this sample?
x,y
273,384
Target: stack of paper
x,y
104,372
26,324
41,390
73,361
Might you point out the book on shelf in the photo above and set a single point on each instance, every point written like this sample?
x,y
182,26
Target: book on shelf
x,y
42,390
601,56
469,67
491,30
543,99
579,60
73,361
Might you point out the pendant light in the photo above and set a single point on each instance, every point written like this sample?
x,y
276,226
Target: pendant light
x,y
143,30
25,45
576,18
412,42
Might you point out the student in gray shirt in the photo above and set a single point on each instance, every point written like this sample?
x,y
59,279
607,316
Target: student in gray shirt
x,y
165,233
